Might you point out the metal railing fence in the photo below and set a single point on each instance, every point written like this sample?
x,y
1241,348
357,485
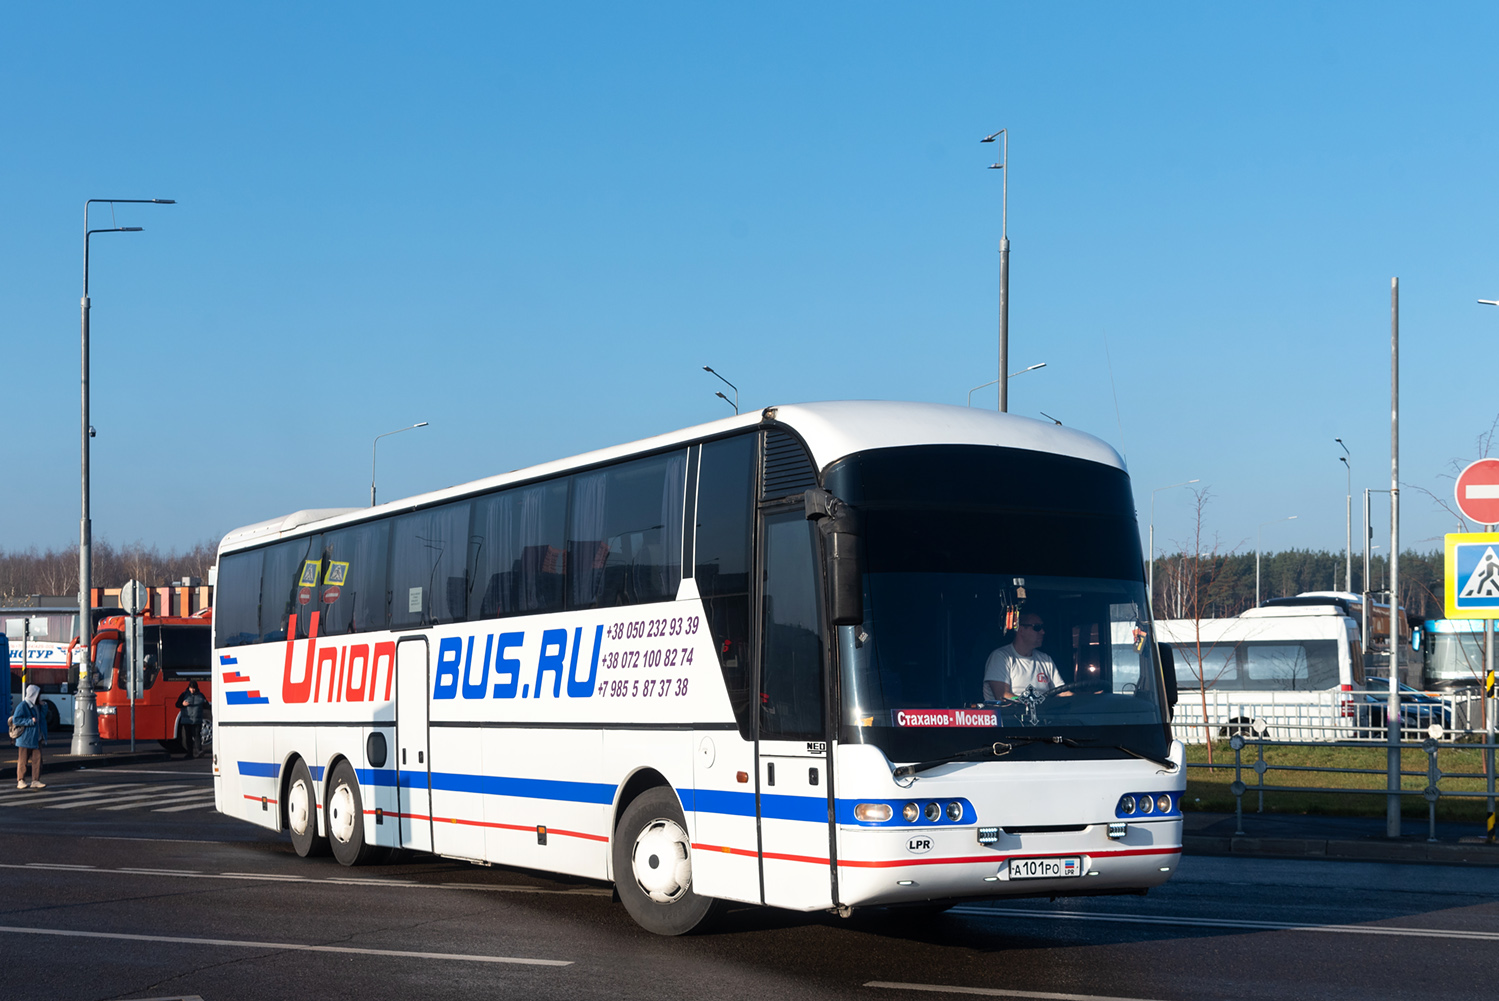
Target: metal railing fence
x,y
1327,717
1432,793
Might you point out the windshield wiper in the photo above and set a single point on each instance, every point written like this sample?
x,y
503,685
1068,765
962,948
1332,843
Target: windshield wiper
x,y
996,750
1165,763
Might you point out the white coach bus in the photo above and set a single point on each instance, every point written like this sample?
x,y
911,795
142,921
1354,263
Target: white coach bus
x,y
744,662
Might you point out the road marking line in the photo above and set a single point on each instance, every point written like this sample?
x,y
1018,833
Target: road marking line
x,y
159,771
47,799
199,798
997,992
1236,923
272,877
191,806
291,946
135,796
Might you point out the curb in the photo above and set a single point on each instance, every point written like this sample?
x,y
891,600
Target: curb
x,y
1443,853
52,763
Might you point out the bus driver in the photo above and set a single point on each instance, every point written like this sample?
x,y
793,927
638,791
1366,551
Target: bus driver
x,y
1012,669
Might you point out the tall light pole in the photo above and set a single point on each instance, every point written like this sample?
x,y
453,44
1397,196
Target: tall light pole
x,y
1348,580
1488,672
1029,368
85,720
1004,263
733,403
1258,534
1392,703
374,450
1150,576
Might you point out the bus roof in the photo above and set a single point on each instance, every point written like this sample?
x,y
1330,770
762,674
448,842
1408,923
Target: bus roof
x,y
831,431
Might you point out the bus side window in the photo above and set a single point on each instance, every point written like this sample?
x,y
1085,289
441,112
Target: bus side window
x,y
429,567
721,565
516,542
357,556
624,539
281,588
236,613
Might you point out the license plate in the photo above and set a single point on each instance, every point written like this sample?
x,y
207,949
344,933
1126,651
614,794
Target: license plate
x,y
1045,868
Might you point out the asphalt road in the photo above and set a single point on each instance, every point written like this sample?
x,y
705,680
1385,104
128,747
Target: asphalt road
x,y
122,883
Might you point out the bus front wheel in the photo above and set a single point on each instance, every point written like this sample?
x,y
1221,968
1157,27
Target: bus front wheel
x,y
344,809
301,813
653,865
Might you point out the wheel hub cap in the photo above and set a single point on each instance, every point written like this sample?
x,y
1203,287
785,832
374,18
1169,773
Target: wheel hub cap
x,y
341,814
662,862
296,807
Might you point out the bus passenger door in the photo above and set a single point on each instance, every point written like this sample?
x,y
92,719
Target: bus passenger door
x,y
413,780
792,790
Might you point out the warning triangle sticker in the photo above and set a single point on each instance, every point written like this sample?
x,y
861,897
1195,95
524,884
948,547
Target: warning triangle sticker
x,y
1484,581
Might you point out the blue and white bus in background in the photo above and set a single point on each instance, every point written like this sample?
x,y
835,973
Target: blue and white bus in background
x,y
740,662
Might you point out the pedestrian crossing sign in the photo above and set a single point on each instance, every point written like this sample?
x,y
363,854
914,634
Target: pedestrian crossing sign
x,y
1472,577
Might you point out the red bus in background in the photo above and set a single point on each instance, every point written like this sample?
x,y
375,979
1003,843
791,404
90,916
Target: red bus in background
x,y
177,650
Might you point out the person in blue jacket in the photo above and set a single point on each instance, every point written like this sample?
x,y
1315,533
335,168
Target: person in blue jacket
x,y
33,723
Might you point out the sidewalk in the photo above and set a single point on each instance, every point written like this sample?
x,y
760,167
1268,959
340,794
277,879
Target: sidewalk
x,y
114,752
1287,835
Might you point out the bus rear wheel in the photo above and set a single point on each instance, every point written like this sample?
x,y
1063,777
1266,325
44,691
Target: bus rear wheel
x,y
344,809
301,813
653,866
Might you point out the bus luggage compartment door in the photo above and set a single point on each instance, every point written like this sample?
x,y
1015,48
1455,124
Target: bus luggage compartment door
x,y
413,779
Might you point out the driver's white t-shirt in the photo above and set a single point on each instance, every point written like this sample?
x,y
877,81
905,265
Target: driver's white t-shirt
x,y
1020,671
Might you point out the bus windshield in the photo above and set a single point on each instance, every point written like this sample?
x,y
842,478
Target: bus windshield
x,y
104,663
1003,598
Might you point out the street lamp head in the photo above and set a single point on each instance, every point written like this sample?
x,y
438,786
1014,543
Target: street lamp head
x,y
132,229
1489,302
993,136
164,201
707,368
996,166
421,425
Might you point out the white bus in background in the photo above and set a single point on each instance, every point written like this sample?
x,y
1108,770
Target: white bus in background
x,y
739,662
1299,668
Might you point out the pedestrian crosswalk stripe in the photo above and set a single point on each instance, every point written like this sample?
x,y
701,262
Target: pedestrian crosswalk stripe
x,y
168,798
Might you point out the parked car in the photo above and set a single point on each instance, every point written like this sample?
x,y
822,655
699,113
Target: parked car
x,y
1417,709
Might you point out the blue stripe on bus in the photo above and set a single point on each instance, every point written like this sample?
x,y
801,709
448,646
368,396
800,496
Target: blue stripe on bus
x,y
245,699
505,785
259,769
812,809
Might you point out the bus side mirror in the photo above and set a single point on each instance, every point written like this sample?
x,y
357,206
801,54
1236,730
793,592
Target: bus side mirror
x,y
839,526
1168,672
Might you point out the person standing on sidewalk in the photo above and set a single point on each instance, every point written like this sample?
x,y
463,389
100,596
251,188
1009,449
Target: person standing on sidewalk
x,y
192,703
33,723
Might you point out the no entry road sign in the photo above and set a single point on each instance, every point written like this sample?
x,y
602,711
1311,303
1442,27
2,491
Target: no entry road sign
x,y
1478,491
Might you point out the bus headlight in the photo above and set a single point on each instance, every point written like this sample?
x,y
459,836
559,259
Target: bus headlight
x,y
955,811
1163,803
911,812
873,813
1126,804
1147,804
933,812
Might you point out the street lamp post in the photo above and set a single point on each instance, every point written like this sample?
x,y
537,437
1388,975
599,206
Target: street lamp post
x,y
1150,574
1258,533
735,401
1029,368
1348,579
1004,263
85,720
374,449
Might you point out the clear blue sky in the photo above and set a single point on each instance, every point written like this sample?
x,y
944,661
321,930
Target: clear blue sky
x,y
531,226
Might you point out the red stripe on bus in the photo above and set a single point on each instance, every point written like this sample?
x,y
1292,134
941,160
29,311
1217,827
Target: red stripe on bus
x,y
895,863
497,826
